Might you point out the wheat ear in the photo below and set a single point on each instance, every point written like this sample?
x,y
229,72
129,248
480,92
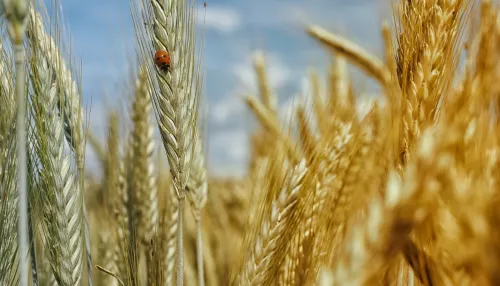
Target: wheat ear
x,y
197,195
70,109
8,171
255,271
62,198
116,190
143,180
174,91
427,56
266,94
169,223
16,12
379,237
369,63
268,122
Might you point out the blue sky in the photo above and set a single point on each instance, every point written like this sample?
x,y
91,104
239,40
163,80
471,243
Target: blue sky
x,y
103,39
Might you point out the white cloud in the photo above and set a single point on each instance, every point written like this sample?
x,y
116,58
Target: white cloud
x,y
232,142
230,149
222,19
304,99
226,109
277,72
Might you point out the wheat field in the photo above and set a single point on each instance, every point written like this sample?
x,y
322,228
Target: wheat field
x,y
405,193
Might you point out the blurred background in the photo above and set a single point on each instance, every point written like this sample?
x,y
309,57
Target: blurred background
x,y
103,39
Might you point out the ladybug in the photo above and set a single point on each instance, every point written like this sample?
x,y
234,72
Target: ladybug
x,y
162,60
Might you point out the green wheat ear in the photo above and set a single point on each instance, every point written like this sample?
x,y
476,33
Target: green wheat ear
x,y
58,120
175,92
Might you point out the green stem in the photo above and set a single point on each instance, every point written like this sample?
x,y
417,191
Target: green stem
x,y
22,164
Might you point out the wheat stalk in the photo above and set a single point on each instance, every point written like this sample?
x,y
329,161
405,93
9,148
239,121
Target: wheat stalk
x,y
116,190
143,180
197,196
16,13
123,204
175,92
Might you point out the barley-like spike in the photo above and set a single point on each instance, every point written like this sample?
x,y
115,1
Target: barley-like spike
x,y
62,201
70,110
175,91
372,65
198,184
8,206
117,190
143,181
257,265
379,236
168,236
64,233
8,165
197,196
